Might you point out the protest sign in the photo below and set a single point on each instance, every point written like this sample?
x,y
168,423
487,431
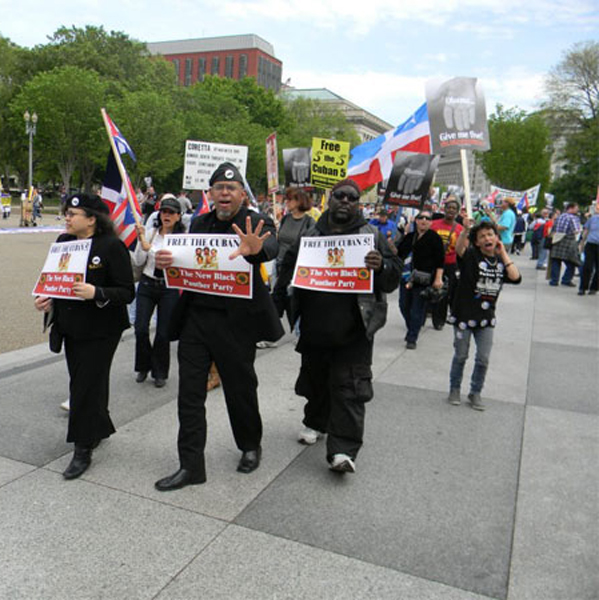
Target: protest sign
x,y
330,159
202,158
334,264
201,264
457,115
272,163
411,179
296,162
531,194
65,265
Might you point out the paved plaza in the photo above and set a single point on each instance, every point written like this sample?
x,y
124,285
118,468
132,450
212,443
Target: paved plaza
x,y
447,503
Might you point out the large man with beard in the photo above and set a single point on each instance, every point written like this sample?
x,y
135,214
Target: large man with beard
x,y
336,334
223,330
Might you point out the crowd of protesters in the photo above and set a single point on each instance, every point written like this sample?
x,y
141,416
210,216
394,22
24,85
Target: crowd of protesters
x,y
444,263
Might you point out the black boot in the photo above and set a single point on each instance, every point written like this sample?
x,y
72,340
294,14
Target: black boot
x,y
82,458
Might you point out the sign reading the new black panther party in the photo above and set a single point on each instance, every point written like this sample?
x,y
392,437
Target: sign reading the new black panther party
x,y
65,265
334,264
201,264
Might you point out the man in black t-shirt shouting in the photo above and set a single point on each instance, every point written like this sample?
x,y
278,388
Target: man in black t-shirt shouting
x,y
484,267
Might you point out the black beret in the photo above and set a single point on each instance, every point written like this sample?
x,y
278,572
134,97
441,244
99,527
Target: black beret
x,y
89,201
226,172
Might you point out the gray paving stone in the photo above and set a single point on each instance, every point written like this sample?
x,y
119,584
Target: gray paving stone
x,y
12,469
434,495
556,550
564,377
270,568
78,540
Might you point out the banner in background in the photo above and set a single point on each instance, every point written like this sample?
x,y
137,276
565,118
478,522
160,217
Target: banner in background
x,y
201,264
457,115
532,194
411,179
202,158
65,265
334,264
272,163
330,159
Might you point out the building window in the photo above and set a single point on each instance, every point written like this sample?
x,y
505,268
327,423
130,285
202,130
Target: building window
x,y
215,67
201,68
261,74
229,67
188,68
177,64
243,66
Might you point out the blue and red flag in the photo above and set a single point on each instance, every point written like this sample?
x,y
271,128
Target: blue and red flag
x,y
203,207
122,145
372,161
523,203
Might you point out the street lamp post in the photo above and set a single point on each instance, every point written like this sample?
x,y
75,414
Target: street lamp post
x,y
30,125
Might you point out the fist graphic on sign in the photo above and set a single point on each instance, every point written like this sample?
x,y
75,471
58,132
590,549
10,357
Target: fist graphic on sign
x,y
413,175
300,171
459,110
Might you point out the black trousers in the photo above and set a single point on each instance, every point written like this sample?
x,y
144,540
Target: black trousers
x,y
89,363
337,382
439,309
207,336
590,268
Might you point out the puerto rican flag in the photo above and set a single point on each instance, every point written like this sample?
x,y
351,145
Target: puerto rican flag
x,y
203,207
114,194
122,145
523,202
372,161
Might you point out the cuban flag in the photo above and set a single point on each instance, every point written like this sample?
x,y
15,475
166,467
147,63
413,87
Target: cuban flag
x,y
122,145
523,202
114,194
202,207
372,161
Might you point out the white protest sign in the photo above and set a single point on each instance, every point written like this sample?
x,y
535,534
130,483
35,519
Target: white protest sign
x,y
334,264
201,264
65,265
202,158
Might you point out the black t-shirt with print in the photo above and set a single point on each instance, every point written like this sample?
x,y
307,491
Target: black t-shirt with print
x,y
479,285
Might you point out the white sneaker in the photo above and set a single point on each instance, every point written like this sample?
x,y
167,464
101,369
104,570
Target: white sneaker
x,y
342,463
66,405
308,436
265,344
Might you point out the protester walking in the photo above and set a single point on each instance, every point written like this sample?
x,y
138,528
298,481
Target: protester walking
x,y
590,269
484,267
564,246
91,327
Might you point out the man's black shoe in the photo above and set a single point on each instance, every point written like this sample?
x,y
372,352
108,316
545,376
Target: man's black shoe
x,y
250,461
438,326
141,376
81,460
179,480
159,382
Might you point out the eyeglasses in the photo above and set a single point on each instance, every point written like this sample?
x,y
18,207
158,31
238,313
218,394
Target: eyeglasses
x,y
72,213
339,195
229,187
423,218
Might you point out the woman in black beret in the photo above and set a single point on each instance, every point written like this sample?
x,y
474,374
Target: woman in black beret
x,y
92,326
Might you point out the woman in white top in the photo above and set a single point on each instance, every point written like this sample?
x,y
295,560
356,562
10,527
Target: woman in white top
x,y
152,293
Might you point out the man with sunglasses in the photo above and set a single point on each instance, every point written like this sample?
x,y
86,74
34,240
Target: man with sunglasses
x,y
225,331
337,332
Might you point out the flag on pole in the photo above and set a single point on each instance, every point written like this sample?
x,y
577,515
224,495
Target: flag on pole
x,y
120,142
203,207
114,194
372,161
523,204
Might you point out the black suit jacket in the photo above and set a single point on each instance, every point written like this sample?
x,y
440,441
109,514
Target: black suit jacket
x,y
252,320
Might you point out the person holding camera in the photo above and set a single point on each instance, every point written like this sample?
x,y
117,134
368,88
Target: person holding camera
x,y
423,258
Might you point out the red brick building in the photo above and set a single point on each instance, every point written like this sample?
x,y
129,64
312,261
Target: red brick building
x,y
233,56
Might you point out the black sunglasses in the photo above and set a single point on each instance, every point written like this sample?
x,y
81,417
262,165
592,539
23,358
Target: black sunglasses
x,y
339,195
421,217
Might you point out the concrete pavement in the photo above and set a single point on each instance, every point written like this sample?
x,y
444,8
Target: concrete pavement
x,y
447,503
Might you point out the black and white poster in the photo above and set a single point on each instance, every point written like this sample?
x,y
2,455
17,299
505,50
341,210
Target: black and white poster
x,y
296,162
410,179
457,115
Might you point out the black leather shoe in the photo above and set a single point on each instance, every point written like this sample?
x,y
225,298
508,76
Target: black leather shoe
x,y
179,480
250,461
141,376
81,460
159,382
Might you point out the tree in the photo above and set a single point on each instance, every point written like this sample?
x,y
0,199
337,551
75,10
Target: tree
x,y
67,101
520,153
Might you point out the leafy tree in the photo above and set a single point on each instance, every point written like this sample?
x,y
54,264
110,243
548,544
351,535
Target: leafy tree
x,y
67,101
520,153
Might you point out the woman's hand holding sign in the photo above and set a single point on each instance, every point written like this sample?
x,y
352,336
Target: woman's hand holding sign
x,y
43,303
164,259
86,291
251,241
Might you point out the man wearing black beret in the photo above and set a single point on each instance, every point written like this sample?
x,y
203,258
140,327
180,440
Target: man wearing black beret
x,y
223,330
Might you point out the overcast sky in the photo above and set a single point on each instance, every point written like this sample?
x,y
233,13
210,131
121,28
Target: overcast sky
x,y
376,53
